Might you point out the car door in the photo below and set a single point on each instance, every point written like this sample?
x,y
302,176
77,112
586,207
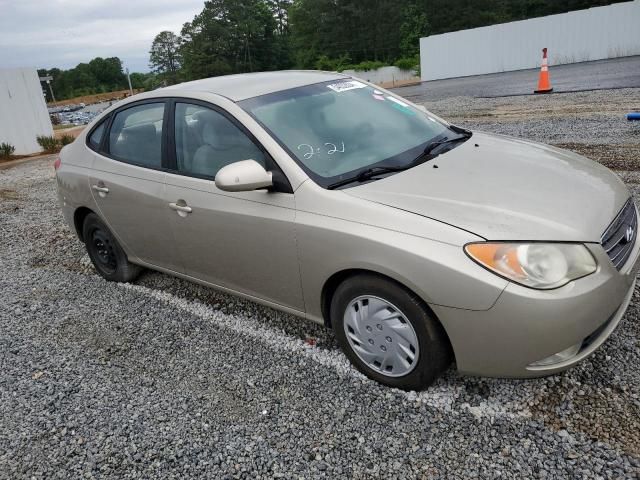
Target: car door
x,y
127,182
242,241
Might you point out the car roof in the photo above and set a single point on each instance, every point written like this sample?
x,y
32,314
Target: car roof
x,y
248,85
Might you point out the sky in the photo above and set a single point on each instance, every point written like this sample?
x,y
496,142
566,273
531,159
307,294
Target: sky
x,y
63,33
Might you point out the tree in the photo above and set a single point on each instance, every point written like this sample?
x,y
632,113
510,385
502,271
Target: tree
x,y
164,56
145,81
230,36
335,28
98,76
108,72
282,54
280,11
414,26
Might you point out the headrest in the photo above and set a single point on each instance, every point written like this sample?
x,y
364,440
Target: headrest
x,y
145,132
217,130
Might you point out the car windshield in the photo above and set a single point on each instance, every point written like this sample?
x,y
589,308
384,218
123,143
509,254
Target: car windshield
x,y
338,129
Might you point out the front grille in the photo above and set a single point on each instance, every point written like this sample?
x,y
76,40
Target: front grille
x,y
621,235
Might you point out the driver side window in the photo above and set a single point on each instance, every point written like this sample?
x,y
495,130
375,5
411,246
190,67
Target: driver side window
x,y
206,141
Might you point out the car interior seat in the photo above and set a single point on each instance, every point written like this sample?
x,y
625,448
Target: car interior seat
x,y
221,143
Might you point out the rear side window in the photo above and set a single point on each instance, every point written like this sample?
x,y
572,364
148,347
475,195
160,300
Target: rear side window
x,y
96,136
136,135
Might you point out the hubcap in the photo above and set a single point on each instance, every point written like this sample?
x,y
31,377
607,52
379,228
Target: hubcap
x,y
381,336
104,253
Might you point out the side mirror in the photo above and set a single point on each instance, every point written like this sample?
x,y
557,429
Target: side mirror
x,y
243,176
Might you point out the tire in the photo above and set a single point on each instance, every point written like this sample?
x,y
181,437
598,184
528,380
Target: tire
x,y
358,307
105,252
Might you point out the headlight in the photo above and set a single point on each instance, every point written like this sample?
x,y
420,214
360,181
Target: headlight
x,y
535,265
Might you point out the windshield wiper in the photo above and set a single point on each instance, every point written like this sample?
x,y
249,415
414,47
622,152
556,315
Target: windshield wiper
x,y
464,135
368,174
463,131
428,150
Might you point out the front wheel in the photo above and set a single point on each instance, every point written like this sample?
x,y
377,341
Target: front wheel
x,y
388,333
105,252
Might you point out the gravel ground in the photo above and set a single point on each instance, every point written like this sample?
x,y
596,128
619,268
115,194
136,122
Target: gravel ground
x,y
593,124
163,378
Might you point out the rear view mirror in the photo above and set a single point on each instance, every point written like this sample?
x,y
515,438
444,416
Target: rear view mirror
x,y
243,176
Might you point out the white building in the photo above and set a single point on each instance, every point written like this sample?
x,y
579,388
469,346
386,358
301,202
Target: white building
x,y
583,35
23,111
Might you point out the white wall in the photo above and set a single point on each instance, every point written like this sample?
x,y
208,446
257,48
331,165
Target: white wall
x,y
583,35
383,75
23,111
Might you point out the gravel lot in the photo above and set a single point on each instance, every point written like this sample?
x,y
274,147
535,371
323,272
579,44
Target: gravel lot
x,y
168,379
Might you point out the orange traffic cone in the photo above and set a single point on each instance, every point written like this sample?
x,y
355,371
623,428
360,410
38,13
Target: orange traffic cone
x,y
544,84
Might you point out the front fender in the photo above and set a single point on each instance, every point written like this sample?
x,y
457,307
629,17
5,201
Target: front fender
x,y
430,260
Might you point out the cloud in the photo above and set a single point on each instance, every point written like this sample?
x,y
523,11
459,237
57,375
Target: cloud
x,y
63,33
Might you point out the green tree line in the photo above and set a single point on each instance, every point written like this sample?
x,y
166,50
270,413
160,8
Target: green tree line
x,y
100,75
236,36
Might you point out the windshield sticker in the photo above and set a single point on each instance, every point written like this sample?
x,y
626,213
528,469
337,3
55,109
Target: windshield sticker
x,y
405,110
397,102
346,86
378,92
378,97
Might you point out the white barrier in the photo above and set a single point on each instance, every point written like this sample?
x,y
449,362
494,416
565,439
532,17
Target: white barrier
x,y
387,76
593,34
23,111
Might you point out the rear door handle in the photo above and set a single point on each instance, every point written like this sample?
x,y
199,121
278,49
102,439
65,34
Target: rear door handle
x,y
180,208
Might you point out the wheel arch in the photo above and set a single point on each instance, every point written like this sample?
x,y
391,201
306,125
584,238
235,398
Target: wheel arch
x,y
331,284
78,220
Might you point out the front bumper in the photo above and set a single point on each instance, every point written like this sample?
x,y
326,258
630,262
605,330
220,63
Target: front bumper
x,y
526,326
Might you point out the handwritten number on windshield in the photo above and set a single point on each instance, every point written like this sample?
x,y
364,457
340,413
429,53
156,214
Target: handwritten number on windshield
x,y
334,148
310,153
331,148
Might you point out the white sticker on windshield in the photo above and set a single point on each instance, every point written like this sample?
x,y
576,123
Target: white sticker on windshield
x,y
395,100
345,86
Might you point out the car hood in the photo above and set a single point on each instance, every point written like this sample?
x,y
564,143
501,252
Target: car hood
x,y
502,188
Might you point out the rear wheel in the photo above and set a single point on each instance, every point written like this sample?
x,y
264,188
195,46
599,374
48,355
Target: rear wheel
x,y
388,333
105,252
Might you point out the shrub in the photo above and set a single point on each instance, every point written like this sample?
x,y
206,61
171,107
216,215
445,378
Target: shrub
x,y
408,63
366,66
325,63
333,64
66,139
6,150
48,144
341,64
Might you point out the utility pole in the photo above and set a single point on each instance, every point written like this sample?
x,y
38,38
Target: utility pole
x,y
129,80
48,80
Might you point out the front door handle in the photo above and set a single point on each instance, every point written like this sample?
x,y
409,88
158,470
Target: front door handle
x,y
180,208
